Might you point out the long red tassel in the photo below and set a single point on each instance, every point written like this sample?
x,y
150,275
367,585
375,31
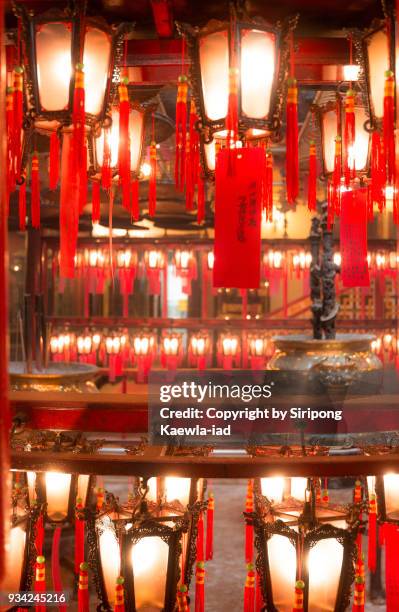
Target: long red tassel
x,y
18,118
78,118
182,601
298,596
135,208
22,206
106,167
389,124
69,209
391,536
152,202
209,527
55,565
292,162
119,595
312,179
39,535
124,142
372,536
35,191
359,592
378,171
192,159
181,131
334,185
349,136
249,590
83,589
200,199
79,536
268,186
54,160
200,587
249,528
200,538
40,580
10,136
95,195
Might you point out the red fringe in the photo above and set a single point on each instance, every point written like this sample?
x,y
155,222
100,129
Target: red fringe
x,y
181,131
35,192
22,206
268,186
349,136
232,115
372,542
95,210
135,200
378,172
40,584
249,529
292,162
83,590
54,160
79,541
249,590
200,587
209,527
389,125
200,538
152,201
312,180
18,119
106,167
119,596
83,182
69,209
39,535
391,567
78,119
200,199
10,137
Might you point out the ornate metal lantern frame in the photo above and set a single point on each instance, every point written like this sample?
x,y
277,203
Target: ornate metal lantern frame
x,y
383,514
304,540
336,105
144,524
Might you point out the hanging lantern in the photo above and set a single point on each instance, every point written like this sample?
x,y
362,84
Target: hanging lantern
x,y
171,350
63,347
229,351
302,548
255,54
155,262
145,550
126,263
143,352
258,350
85,349
186,268
115,350
174,493
58,491
199,352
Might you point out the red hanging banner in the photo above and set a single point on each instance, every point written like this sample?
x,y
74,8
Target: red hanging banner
x,y
238,202
353,236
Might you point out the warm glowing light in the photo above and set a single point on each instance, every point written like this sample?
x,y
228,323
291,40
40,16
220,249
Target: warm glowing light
x,y
14,560
282,564
298,488
149,560
110,556
57,495
54,64
257,72
155,259
171,345
351,72
230,346
210,260
96,59
273,488
324,565
198,345
379,62
329,134
391,491
214,64
177,489
145,169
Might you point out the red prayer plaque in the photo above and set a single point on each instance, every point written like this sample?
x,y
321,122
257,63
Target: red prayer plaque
x,y
353,236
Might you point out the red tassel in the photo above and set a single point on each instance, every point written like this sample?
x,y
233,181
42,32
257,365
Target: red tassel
x,y
18,118
359,591
249,529
135,209
124,142
181,131
78,118
39,535
312,180
95,210
200,539
35,191
83,590
200,199
54,160
391,536
79,536
200,587
69,209
292,162
10,136
83,182
40,580
268,186
106,167
182,602
298,597
119,595
22,206
249,590
389,124
372,539
378,173
189,184
349,137
55,565
209,527
152,203
192,165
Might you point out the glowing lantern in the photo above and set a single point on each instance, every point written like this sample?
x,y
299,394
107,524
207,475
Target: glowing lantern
x,y
210,258
171,351
154,264
115,351
143,352
174,493
301,553
126,262
258,349
229,351
200,350
186,269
